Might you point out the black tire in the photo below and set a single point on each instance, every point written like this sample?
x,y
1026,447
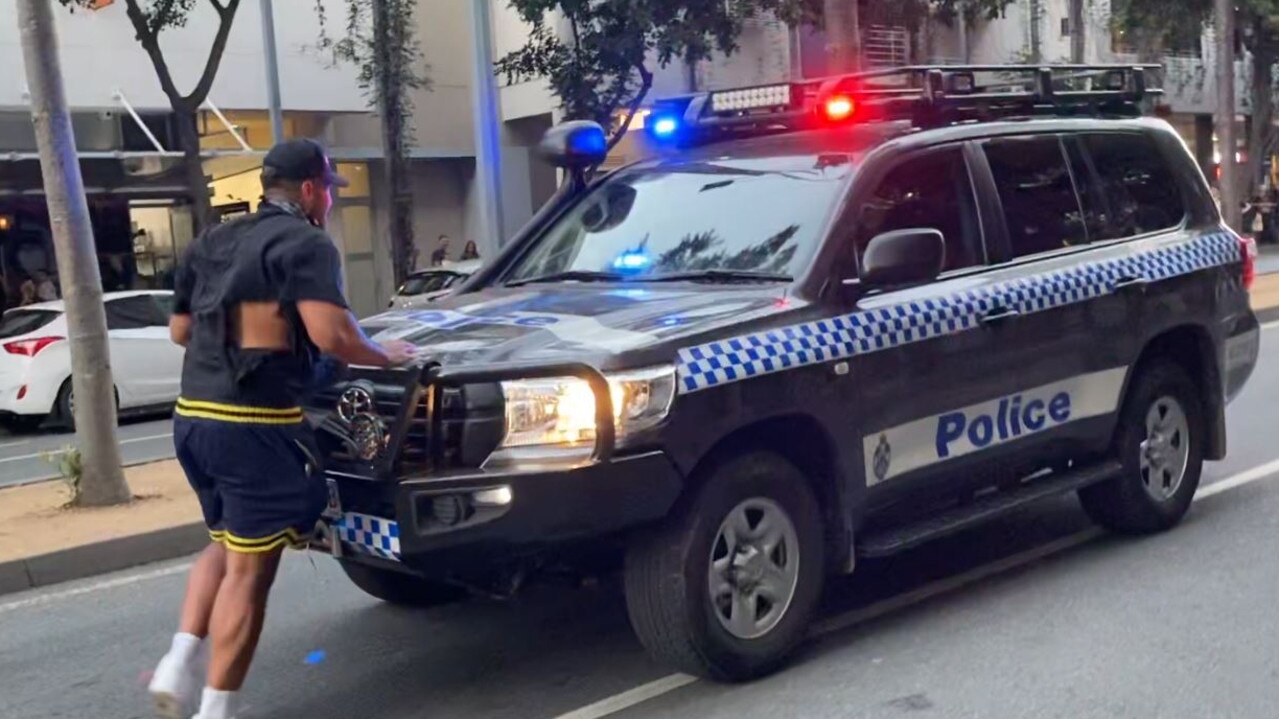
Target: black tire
x,y
667,576
401,589
1123,504
64,413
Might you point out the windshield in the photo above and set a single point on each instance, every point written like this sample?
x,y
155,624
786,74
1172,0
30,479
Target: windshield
x,y
736,215
15,323
422,284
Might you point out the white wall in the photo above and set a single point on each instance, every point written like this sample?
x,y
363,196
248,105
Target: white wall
x,y
99,54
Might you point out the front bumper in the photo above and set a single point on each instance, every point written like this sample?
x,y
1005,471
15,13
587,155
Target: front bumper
x,y
448,524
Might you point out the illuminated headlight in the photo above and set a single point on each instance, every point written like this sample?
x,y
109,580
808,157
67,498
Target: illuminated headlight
x,y
559,413
751,98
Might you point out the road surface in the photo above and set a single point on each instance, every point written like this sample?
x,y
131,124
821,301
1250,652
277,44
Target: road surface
x,y
1038,615
22,461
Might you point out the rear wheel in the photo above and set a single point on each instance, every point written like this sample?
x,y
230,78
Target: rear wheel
x,y
64,407
1160,441
727,587
402,589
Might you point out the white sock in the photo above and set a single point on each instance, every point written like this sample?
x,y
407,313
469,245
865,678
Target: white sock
x,y
217,704
185,647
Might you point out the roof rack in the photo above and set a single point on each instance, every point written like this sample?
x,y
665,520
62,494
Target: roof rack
x,y
927,96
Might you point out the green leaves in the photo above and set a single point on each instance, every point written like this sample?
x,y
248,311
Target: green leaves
x,y
602,58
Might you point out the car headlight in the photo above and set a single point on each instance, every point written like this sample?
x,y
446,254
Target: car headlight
x,y
559,413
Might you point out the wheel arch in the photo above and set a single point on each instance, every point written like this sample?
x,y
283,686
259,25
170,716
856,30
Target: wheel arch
x,y
1192,347
803,441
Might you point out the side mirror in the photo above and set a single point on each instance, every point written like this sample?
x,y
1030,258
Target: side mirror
x,y
574,145
904,257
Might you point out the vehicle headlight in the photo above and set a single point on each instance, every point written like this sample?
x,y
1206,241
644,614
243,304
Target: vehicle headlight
x,y
559,413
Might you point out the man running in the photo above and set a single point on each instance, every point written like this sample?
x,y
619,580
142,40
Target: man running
x,y
257,301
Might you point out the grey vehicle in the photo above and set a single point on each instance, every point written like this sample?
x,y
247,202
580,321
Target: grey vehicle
x,y
831,321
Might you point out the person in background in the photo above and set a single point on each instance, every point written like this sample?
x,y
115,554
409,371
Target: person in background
x,y
471,251
441,251
46,291
27,292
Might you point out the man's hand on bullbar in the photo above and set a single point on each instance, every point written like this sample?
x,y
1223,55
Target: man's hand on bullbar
x,y
400,352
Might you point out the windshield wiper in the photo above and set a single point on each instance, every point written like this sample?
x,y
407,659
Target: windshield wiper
x,y
721,276
570,276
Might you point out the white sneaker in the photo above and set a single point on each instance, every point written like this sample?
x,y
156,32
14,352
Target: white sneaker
x,y
175,686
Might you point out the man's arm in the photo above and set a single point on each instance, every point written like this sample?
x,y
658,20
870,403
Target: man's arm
x,y
180,329
313,282
333,329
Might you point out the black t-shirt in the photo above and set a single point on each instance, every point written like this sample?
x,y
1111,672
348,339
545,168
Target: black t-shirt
x,y
272,256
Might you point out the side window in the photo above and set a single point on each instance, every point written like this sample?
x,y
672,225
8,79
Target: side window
x,y
1038,194
165,305
132,313
1143,194
927,191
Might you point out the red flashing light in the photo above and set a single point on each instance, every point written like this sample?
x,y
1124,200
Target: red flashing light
x,y
1248,250
30,348
839,108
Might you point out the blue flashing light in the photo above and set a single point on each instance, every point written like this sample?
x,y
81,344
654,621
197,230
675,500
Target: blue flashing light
x,y
588,142
665,128
632,262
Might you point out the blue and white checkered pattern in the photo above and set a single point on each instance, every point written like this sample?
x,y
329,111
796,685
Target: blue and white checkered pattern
x,y
370,535
733,360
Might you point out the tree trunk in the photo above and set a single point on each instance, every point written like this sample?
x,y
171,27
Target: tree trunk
x,y
843,37
102,481
192,165
1229,187
1261,141
1078,32
390,86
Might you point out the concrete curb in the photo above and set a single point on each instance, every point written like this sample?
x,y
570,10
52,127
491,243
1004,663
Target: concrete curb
x,y
102,557
1267,315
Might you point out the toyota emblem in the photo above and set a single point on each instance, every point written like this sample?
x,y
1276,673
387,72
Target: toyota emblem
x,y
355,402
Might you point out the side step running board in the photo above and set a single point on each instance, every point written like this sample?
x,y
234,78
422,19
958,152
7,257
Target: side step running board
x,y
899,539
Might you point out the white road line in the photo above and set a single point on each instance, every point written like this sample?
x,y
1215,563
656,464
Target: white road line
x,y
38,455
97,586
620,702
14,444
1270,325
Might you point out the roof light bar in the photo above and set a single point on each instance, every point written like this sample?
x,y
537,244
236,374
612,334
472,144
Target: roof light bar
x,y
751,98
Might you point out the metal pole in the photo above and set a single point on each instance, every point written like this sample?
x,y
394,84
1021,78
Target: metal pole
x,y
488,148
272,72
1226,110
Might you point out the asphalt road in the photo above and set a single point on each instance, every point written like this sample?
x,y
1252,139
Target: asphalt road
x,y
1038,615
143,439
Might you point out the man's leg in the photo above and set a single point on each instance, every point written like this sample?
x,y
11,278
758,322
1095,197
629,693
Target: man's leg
x,y
238,615
177,678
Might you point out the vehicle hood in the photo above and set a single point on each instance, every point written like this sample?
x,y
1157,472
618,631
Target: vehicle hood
x,y
567,323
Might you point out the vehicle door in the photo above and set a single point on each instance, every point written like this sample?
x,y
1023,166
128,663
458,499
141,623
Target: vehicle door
x,y
146,364
966,381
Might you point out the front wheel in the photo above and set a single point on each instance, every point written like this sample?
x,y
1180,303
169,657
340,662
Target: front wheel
x,y
726,588
402,589
1160,441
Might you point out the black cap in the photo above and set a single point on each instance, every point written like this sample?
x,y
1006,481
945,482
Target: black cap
x,y
299,161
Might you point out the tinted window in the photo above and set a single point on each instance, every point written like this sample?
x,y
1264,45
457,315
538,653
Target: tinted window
x,y
930,191
744,214
165,303
1038,194
1142,193
131,313
20,322
422,284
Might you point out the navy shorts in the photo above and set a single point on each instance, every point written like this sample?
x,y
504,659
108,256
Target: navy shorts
x,y
255,472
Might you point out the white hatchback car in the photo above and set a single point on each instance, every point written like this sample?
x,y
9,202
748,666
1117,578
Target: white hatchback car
x,y
35,358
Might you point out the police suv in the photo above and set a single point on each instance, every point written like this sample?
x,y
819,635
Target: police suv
x,y
829,321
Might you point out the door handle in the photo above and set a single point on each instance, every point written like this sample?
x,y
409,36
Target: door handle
x,y
999,315
1130,284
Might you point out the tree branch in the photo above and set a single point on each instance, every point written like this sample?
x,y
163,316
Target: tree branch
x,y
226,17
161,17
151,45
219,7
646,84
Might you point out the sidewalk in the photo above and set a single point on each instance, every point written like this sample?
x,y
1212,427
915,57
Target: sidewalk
x,y
42,543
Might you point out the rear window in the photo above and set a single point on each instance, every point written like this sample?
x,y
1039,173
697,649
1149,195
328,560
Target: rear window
x,y
1142,193
15,323
422,284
